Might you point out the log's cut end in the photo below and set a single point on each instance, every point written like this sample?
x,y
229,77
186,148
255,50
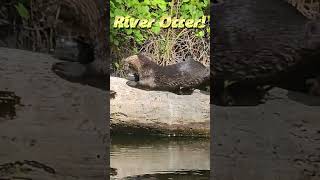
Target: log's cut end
x,y
136,111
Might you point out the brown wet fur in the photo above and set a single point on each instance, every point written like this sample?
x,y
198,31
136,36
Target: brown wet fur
x,y
180,77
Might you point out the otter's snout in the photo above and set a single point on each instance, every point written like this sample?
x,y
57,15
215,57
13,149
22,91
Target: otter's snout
x,y
131,71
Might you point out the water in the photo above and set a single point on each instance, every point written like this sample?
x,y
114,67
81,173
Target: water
x,y
160,158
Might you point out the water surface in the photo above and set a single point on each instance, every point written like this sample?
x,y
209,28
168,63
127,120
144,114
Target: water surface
x,y
160,158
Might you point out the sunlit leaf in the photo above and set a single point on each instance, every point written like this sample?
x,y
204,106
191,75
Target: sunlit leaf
x,y
22,10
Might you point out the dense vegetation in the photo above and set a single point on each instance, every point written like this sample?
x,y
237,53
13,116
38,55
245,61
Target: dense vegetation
x,y
29,22
33,23
164,45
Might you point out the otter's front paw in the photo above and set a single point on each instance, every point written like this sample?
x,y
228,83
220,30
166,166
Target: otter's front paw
x,y
132,83
184,91
133,77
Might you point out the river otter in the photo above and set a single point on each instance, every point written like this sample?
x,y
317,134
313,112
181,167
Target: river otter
x,y
258,43
89,18
178,78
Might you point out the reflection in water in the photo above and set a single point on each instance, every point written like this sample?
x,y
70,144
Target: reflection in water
x,y
160,158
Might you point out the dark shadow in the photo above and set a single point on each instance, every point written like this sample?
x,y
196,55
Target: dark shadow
x,y
183,91
216,2
8,102
139,140
205,92
305,99
238,94
177,175
100,82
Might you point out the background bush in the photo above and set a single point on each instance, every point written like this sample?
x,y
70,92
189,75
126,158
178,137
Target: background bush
x,y
33,23
165,46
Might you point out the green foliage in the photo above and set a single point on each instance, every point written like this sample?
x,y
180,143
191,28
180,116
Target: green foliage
x,y
158,41
22,10
151,9
193,9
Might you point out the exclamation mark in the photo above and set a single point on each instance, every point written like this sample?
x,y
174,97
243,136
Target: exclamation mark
x,y
203,21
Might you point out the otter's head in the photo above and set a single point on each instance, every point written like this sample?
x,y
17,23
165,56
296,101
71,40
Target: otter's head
x,y
312,35
135,64
133,67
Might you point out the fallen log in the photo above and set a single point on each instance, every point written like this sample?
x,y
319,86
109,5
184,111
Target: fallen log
x,y
136,111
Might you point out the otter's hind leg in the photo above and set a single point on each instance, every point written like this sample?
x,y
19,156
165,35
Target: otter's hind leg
x,y
145,84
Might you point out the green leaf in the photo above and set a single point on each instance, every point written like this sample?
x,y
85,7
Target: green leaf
x,y
135,49
144,11
163,6
133,3
208,30
22,10
146,2
112,6
119,12
129,31
139,37
156,29
200,34
116,42
116,64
